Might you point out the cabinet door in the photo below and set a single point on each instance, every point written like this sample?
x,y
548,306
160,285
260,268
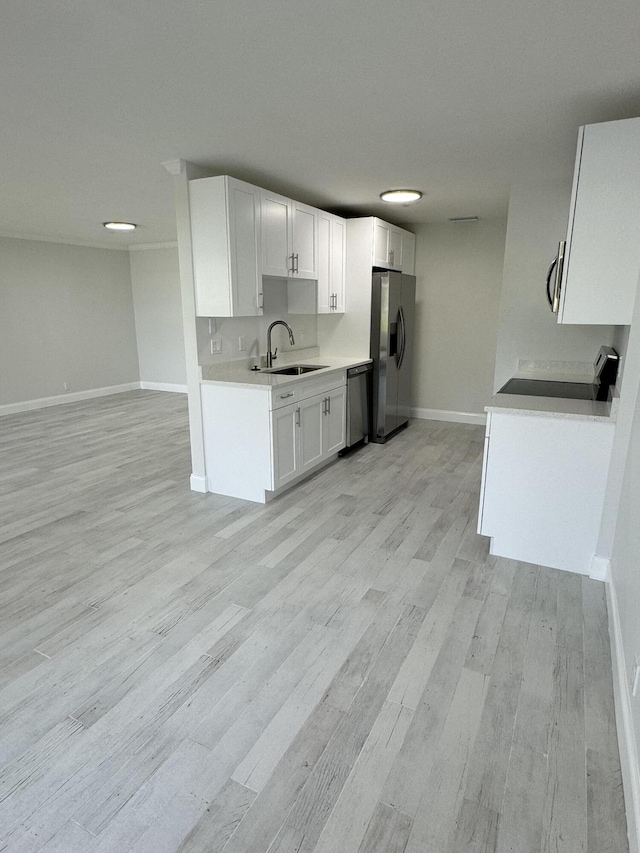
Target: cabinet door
x,y
408,253
395,248
284,438
304,240
276,229
602,257
332,263
225,241
335,421
325,222
338,264
244,248
380,243
310,432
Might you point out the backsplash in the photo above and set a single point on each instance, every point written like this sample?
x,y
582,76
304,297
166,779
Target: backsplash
x,y
227,331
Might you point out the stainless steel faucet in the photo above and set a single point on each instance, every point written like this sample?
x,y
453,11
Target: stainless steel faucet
x,y
270,355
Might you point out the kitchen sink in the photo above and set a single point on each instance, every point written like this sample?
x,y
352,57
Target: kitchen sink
x,y
297,369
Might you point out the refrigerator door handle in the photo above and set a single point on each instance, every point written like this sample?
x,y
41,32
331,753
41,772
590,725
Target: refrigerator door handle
x,y
403,338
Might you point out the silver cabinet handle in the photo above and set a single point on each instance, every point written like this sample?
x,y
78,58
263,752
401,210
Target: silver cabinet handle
x,y
298,416
391,253
296,270
558,280
290,268
328,405
284,396
260,300
324,406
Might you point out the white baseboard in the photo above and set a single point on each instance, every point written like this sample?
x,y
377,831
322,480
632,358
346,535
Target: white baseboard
x,y
624,718
77,396
71,397
600,569
445,415
198,483
163,386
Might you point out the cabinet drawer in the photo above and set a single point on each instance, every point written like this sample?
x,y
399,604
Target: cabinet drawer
x,y
284,396
306,387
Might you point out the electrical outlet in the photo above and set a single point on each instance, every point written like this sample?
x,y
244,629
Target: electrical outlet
x,y
242,343
303,336
636,678
216,346
66,385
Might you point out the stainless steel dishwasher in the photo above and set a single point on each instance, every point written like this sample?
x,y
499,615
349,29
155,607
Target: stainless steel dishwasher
x,y
358,404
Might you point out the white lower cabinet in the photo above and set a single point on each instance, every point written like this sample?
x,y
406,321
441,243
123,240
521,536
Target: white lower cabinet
x,y
543,487
306,433
284,438
259,439
334,435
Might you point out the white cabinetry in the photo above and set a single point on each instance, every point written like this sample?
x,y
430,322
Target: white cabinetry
x,y
393,247
408,253
334,436
306,433
225,239
602,255
543,487
260,439
332,260
289,237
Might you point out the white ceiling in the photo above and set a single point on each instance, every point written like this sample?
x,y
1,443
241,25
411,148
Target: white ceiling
x,y
328,101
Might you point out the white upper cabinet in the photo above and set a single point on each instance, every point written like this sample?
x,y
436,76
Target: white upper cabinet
x,y
225,239
304,239
393,247
276,235
332,261
602,255
289,237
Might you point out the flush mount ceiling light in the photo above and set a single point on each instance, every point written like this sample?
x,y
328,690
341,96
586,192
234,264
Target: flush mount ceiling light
x,y
120,226
401,196
464,219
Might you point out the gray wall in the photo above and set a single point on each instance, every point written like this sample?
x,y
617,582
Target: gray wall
x,y
458,283
155,280
538,216
66,315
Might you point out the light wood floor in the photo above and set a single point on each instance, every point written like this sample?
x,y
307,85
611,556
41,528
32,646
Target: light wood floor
x,y
342,671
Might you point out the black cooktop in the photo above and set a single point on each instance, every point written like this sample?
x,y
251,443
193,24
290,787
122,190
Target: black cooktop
x,y
549,388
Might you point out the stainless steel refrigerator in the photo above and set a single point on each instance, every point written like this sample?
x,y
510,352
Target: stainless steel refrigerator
x,y
392,312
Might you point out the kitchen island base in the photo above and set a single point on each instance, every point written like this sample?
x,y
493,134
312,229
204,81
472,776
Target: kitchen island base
x,y
543,485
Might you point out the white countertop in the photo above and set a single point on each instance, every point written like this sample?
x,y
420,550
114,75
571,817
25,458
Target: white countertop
x,y
555,407
239,373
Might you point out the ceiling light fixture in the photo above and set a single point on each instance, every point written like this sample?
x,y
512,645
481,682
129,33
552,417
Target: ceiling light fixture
x,y
120,226
401,196
464,219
